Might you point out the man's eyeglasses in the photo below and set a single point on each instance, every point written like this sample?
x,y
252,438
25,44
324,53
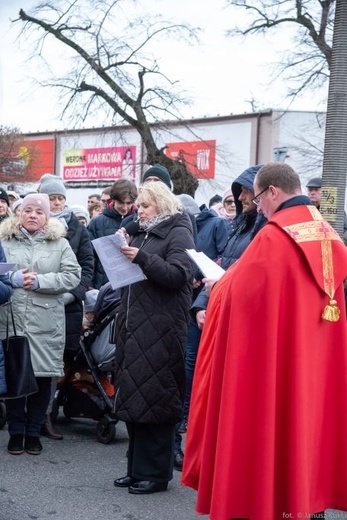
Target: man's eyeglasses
x,y
256,199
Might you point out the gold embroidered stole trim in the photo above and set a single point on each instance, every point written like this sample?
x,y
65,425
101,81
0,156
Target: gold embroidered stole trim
x,y
320,230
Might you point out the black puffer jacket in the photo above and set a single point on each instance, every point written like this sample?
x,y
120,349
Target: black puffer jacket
x,y
78,238
152,326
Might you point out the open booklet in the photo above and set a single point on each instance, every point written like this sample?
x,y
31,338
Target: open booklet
x,y
208,267
119,269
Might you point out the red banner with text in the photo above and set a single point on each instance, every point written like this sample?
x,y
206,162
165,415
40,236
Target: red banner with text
x,y
199,157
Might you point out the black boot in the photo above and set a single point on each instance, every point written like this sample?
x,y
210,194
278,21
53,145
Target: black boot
x,y
48,430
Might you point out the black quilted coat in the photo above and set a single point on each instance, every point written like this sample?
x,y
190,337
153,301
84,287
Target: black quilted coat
x,y
152,326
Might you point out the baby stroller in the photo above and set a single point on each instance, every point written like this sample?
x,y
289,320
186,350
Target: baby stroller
x,y
87,390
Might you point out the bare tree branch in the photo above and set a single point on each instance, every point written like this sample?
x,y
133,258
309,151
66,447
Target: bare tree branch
x,y
112,65
308,60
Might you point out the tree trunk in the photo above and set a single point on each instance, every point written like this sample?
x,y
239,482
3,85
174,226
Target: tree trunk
x,y
335,145
182,180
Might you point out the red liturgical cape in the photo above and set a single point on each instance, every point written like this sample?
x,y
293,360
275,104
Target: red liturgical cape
x,y
267,430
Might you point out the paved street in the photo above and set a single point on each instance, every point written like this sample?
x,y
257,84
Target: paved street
x,y
73,480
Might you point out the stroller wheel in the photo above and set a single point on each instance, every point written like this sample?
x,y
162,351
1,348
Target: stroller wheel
x,y
106,430
2,415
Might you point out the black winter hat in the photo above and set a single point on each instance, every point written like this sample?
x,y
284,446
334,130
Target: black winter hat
x,y
4,196
157,170
214,200
315,182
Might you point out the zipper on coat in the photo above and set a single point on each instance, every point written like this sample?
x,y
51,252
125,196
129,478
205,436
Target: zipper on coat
x,y
144,242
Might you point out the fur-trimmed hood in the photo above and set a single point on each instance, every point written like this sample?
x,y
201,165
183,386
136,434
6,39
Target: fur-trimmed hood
x,y
9,228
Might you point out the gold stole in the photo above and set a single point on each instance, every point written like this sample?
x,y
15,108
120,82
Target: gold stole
x,y
320,230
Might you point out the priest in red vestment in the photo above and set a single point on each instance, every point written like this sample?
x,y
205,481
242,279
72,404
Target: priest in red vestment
x,y
267,430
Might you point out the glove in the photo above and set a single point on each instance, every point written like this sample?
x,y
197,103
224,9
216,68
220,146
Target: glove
x,y
17,278
68,298
36,284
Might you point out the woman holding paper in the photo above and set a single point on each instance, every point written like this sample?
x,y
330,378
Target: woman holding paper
x,y
151,334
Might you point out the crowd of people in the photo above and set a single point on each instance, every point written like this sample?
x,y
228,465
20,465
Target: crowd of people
x,y
252,366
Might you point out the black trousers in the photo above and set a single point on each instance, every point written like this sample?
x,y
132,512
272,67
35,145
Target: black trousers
x,y
25,415
151,451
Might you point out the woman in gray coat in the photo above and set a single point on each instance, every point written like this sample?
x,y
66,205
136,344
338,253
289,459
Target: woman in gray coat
x,y
150,337
46,267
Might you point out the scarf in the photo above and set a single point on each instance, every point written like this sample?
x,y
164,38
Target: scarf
x,y
29,235
150,224
64,216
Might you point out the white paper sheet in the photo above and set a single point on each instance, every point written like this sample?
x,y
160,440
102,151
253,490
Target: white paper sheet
x,y
208,267
119,269
5,268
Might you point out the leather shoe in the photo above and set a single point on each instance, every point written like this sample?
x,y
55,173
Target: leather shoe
x,y
124,481
145,487
178,460
48,430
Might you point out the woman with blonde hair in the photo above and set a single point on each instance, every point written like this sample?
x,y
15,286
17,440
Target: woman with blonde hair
x,y
150,336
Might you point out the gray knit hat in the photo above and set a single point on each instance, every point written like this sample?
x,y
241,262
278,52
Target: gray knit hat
x,y
189,204
80,211
90,300
52,185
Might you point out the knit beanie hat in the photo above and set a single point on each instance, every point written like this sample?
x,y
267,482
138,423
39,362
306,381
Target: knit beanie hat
x,y
227,194
13,194
90,300
189,204
16,204
80,211
52,185
36,199
214,200
4,196
157,170
47,176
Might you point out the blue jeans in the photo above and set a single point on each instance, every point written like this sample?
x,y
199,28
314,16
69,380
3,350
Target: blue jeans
x,y
192,345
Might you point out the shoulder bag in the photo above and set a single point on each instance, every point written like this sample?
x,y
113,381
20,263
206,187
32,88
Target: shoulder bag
x,y
20,377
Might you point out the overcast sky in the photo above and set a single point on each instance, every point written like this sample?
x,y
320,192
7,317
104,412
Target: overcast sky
x,y
221,74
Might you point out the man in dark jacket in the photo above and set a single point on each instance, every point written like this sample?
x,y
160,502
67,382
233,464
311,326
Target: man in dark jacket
x,y
121,205
245,225
314,187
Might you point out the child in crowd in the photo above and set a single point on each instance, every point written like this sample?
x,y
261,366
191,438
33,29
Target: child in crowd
x,y
102,350
88,308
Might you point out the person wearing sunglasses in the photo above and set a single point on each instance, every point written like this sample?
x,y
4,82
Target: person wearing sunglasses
x,y
267,429
229,208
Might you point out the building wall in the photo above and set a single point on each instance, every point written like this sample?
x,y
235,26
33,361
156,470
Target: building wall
x,y
229,145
